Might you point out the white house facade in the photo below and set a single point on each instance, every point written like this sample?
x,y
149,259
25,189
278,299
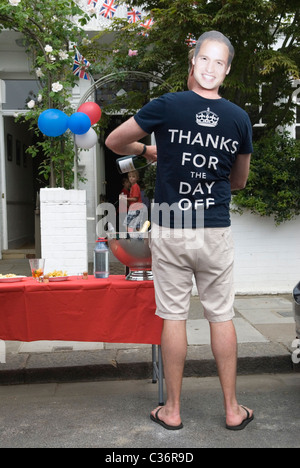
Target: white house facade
x,y
268,257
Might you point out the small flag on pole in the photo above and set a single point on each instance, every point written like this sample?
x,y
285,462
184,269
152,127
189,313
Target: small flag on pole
x,y
80,66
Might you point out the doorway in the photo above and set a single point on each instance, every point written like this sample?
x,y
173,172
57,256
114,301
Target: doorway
x,y
112,176
22,185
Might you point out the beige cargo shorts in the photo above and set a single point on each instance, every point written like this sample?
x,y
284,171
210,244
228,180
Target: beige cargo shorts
x,y
177,256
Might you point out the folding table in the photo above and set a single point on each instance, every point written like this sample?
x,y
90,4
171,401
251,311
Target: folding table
x,y
111,310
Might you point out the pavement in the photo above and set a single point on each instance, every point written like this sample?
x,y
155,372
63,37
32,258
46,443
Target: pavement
x,y
99,395
114,416
265,328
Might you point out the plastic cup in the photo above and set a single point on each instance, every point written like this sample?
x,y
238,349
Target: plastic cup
x,y
37,266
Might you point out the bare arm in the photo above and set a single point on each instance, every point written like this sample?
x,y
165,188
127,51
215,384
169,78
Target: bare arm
x,y
240,172
124,140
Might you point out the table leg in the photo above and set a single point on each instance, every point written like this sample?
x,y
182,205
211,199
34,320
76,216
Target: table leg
x,y
154,368
158,373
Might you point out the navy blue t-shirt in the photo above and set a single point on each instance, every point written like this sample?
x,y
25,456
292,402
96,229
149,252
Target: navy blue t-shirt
x,y
197,141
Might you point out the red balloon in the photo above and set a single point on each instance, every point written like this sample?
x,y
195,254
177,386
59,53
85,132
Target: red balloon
x,y
92,110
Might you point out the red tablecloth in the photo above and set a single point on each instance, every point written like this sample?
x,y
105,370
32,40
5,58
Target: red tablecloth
x,y
104,310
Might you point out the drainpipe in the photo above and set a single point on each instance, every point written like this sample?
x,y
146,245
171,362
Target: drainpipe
x,y
3,185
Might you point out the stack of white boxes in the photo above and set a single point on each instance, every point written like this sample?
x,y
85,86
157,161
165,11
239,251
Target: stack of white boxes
x,y
64,230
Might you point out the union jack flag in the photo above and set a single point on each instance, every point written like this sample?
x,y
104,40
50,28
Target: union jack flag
x,y
108,9
147,25
190,40
92,3
80,66
133,15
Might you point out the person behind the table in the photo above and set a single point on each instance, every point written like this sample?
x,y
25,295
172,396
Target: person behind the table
x,y
125,187
135,216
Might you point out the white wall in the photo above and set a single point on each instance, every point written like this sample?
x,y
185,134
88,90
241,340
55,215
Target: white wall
x,y
64,230
267,258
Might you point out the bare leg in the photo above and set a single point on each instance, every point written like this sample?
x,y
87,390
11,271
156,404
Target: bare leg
x,y
224,347
174,349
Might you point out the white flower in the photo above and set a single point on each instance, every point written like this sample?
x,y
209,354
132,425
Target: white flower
x,y
39,73
52,58
86,41
14,2
56,87
48,48
63,55
39,98
31,104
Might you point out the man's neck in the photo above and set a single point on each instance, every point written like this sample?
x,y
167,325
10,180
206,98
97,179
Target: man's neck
x,y
206,93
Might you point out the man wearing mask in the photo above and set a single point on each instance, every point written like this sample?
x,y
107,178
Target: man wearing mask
x,y
204,146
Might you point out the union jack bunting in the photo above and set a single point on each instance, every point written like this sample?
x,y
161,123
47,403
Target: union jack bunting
x,y
147,25
92,3
190,40
133,15
108,9
80,66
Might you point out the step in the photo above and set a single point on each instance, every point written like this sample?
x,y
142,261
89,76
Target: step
x,y
11,254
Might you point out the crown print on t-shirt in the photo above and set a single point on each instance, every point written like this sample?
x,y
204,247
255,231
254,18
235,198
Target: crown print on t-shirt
x,y
207,118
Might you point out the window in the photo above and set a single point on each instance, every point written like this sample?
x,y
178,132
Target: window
x,y
107,93
19,92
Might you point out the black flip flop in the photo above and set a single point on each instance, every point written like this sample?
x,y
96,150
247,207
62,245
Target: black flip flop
x,y
243,424
163,424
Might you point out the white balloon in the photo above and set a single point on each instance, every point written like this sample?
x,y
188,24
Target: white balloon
x,y
87,140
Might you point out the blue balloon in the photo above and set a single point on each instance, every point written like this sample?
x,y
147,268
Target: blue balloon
x,y
53,122
79,123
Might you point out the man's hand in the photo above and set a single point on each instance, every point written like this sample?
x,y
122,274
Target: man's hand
x,y
151,153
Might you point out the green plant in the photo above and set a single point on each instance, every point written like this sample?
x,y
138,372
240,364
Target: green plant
x,y
273,187
265,34
149,180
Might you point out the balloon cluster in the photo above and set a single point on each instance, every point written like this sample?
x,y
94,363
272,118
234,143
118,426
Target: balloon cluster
x,y
54,122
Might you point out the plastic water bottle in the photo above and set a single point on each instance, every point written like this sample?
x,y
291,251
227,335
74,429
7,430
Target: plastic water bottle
x,y
101,259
